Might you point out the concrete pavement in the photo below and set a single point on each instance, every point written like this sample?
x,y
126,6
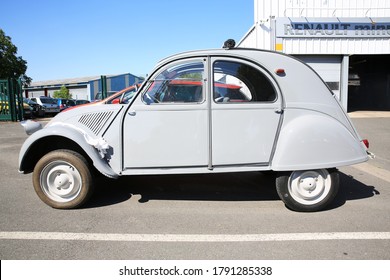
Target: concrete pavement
x,y
222,216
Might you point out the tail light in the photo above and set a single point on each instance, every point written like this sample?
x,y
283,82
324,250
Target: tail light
x,y
366,143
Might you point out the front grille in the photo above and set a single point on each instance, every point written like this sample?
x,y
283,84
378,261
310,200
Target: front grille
x,y
95,121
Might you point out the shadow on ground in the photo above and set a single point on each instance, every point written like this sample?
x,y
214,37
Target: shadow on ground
x,y
250,186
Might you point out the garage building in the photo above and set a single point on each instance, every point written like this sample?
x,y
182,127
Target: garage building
x,y
347,42
87,88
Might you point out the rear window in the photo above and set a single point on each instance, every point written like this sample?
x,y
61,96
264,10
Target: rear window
x,y
70,103
48,100
242,83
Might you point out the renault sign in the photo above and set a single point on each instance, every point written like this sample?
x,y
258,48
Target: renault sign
x,y
332,27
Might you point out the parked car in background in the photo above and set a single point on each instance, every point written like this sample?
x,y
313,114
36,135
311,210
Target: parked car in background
x,y
64,103
37,110
50,104
210,111
121,97
27,110
81,101
99,95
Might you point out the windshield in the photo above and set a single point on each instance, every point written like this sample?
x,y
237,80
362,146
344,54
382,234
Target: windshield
x,y
127,95
70,102
99,95
48,100
29,101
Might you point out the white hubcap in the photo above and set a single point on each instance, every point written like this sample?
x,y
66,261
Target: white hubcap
x,y
309,187
60,181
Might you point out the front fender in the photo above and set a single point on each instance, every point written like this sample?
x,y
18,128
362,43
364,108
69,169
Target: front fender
x,y
312,140
59,131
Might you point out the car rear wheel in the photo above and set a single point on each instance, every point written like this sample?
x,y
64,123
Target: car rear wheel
x,y
62,179
308,190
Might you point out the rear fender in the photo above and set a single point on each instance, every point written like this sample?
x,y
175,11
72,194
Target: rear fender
x,y
312,140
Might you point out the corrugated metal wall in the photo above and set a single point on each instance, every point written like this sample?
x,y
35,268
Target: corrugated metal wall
x,y
114,84
261,35
321,8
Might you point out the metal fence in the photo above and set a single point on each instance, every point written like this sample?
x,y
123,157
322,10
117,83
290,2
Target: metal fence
x,y
11,100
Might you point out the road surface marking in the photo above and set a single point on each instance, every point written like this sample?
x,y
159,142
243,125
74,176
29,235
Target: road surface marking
x,y
369,114
374,171
315,236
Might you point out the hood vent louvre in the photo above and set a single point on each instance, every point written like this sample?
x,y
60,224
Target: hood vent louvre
x,y
95,121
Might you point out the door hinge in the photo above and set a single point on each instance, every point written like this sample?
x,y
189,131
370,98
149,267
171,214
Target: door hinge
x,y
279,111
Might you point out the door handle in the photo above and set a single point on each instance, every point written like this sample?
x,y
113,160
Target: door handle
x,y
132,113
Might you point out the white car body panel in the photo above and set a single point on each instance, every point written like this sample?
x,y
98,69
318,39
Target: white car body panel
x,y
303,128
243,136
160,136
313,140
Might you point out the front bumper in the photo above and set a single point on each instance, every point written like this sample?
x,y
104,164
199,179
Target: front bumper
x,y
31,126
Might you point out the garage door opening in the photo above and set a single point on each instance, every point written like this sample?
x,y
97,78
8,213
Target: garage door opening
x,y
369,83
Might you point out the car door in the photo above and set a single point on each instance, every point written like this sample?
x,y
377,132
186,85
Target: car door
x,y
246,110
167,125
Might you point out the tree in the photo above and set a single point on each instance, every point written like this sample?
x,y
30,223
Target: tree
x,y
12,66
62,93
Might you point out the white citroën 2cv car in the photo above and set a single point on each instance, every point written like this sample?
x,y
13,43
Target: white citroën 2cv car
x,y
224,110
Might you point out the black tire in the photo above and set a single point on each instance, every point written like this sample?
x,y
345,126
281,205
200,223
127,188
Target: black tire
x,y
308,190
62,179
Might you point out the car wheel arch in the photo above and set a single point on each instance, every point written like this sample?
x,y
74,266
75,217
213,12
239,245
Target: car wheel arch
x,y
43,142
313,141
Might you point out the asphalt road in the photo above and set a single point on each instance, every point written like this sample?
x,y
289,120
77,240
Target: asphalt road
x,y
223,216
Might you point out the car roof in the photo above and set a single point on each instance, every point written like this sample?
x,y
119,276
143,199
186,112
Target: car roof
x,y
298,83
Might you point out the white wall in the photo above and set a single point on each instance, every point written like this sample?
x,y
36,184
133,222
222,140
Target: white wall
x,y
321,8
77,93
80,93
266,12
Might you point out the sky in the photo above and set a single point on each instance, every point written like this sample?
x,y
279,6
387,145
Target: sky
x,y
78,38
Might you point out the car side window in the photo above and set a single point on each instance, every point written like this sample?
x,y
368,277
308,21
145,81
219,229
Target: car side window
x,y
182,83
239,82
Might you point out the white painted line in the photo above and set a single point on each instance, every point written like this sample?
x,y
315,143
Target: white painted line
x,y
315,236
369,114
373,170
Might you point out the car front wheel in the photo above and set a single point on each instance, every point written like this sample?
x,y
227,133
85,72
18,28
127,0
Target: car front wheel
x,y
62,179
308,190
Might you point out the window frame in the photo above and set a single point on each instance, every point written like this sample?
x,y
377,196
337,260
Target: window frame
x,y
154,79
258,68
